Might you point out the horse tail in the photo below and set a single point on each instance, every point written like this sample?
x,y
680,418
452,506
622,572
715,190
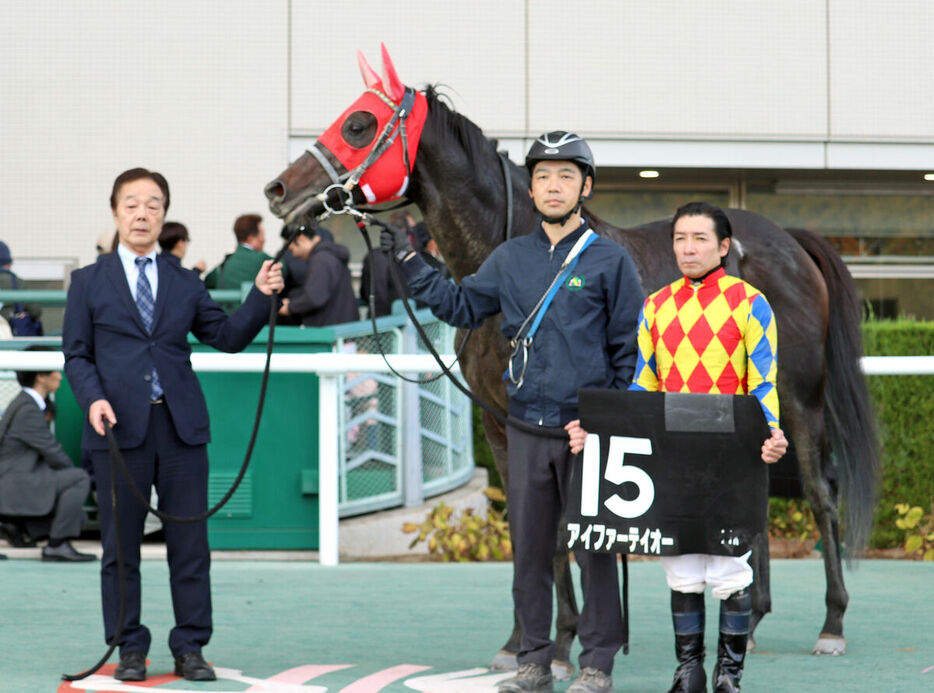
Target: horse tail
x,y
848,411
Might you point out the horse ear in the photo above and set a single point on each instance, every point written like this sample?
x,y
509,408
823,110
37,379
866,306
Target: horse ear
x,y
391,81
370,78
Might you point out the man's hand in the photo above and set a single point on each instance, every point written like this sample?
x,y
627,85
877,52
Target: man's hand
x,y
284,308
269,278
99,411
396,241
776,446
577,435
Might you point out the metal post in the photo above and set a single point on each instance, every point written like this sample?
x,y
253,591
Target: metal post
x,y
328,469
410,423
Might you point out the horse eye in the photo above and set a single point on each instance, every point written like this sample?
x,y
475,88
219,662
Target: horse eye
x,y
359,129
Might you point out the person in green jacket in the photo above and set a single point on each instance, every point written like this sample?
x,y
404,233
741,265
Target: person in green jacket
x,y
244,262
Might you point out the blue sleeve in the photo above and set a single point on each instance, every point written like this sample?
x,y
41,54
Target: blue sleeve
x,y
624,304
467,305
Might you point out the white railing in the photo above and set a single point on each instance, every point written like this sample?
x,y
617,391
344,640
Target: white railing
x,y
329,367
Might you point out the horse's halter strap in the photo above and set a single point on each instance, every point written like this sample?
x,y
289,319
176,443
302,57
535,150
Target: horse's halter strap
x,y
342,184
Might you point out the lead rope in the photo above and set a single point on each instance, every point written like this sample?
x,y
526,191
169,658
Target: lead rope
x,y
116,459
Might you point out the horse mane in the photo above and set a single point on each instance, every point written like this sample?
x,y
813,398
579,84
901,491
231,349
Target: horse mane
x,y
459,128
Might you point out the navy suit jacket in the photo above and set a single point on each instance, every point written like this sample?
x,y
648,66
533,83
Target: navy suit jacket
x,y
110,355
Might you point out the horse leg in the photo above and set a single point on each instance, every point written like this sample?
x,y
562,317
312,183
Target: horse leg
x,y
567,618
760,590
821,493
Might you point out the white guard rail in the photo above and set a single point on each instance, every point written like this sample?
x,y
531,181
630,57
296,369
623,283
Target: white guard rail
x,y
328,367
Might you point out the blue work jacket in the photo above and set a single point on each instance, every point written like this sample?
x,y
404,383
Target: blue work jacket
x,y
587,337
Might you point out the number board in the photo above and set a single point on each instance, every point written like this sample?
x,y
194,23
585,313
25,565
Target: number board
x,y
668,474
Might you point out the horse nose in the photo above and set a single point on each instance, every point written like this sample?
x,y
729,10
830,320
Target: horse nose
x,y
275,191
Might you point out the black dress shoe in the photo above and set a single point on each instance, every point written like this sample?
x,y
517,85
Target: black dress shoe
x,y
16,537
65,552
132,667
3,556
192,667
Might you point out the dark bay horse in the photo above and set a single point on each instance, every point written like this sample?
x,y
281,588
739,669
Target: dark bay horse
x,y
446,166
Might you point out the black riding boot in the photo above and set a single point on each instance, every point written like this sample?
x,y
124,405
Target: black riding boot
x,y
731,650
687,613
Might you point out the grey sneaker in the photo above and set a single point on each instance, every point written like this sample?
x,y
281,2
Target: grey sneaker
x,y
592,680
531,678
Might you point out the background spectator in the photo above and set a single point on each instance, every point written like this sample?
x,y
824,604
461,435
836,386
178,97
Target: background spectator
x,y
41,491
326,297
244,262
174,241
107,243
23,318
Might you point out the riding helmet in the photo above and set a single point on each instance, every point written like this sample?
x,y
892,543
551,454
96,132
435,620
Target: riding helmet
x,y
562,146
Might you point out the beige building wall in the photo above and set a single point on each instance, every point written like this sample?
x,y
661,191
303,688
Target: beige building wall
x,y
194,90
219,95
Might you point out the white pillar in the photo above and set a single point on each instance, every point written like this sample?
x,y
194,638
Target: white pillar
x,y
328,469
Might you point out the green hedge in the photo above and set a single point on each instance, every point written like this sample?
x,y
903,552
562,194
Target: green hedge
x,y
904,407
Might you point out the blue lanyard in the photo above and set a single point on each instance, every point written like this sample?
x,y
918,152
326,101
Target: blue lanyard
x,y
522,344
557,285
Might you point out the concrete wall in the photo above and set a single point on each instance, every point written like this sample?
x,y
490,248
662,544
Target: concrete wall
x,y
216,95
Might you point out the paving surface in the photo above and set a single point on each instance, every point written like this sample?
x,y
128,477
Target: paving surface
x,y
290,626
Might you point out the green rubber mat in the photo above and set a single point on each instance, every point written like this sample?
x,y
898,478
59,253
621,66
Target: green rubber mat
x,y
291,627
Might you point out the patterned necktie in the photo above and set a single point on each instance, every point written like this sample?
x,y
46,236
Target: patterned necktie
x,y
145,304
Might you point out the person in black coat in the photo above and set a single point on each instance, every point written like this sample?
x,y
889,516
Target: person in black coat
x,y
326,297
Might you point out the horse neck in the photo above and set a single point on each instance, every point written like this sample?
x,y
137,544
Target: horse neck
x,y
462,197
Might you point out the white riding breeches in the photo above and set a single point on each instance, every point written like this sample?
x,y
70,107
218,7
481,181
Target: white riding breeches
x,y
692,572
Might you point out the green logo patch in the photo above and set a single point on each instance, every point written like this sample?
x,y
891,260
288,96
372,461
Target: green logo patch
x,y
575,283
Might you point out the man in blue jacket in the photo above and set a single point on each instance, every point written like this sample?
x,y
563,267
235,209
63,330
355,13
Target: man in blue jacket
x,y
570,302
126,348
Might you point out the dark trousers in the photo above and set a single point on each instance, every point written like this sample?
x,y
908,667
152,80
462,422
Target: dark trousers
x,y
67,518
539,476
180,475
71,489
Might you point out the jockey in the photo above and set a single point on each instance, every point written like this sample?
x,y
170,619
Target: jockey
x,y
708,333
570,312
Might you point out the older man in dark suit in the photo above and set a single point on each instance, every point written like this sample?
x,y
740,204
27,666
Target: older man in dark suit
x,y
127,358
39,484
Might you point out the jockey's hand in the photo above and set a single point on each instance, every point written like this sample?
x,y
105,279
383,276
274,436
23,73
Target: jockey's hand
x,y
773,448
395,241
577,435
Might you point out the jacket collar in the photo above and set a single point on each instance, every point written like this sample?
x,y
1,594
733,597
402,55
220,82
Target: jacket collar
x,y
709,279
565,242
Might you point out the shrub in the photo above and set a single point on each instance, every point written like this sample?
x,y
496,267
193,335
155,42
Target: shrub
x,y
918,529
904,406
464,539
791,518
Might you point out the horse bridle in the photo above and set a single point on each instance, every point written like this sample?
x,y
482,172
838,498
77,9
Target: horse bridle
x,y
342,185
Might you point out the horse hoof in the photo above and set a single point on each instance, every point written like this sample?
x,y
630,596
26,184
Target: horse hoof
x,y
562,671
750,644
504,661
830,645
